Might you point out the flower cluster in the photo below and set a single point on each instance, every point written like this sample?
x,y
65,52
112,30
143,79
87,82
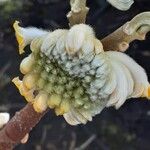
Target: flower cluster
x,y
69,71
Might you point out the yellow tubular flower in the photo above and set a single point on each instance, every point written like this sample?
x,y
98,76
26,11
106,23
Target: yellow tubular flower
x,y
63,108
25,36
40,103
149,92
54,101
146,92
20,86
28,94
19,37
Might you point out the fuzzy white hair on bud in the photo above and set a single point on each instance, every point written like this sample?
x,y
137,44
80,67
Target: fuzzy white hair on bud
x,y
77,36
51,39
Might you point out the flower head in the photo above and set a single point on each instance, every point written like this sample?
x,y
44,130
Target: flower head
x,y
69,71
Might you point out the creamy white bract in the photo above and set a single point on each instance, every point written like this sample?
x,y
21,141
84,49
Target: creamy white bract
x,y
121,4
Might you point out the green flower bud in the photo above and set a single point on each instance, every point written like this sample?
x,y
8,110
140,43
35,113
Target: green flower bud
x,y
52,78
59,90
85,99
44,75
37,68
40,62
79,102
54,72
76,95
64,79
80,91
87,105
66,96
49,88
41,83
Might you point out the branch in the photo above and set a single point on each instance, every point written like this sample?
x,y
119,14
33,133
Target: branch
x,y
86,143
136,29
18,127
78,12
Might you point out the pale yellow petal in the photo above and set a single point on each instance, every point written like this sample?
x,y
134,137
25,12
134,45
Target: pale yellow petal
x,y
19,37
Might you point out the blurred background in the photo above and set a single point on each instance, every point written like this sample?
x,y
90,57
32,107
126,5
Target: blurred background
x,y
125,129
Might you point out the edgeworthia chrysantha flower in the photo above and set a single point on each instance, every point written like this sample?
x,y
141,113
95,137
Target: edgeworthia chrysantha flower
x,y
121,4
69,71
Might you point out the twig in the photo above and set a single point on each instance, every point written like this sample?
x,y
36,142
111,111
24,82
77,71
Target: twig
x,y
78,12
73,141
86,143
136,29
17,128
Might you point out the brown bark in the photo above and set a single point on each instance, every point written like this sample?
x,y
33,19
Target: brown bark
x,y
119,40
16,129
78,12
136,29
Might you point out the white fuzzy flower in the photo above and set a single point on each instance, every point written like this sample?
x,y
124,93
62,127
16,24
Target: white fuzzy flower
x,y
73,74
